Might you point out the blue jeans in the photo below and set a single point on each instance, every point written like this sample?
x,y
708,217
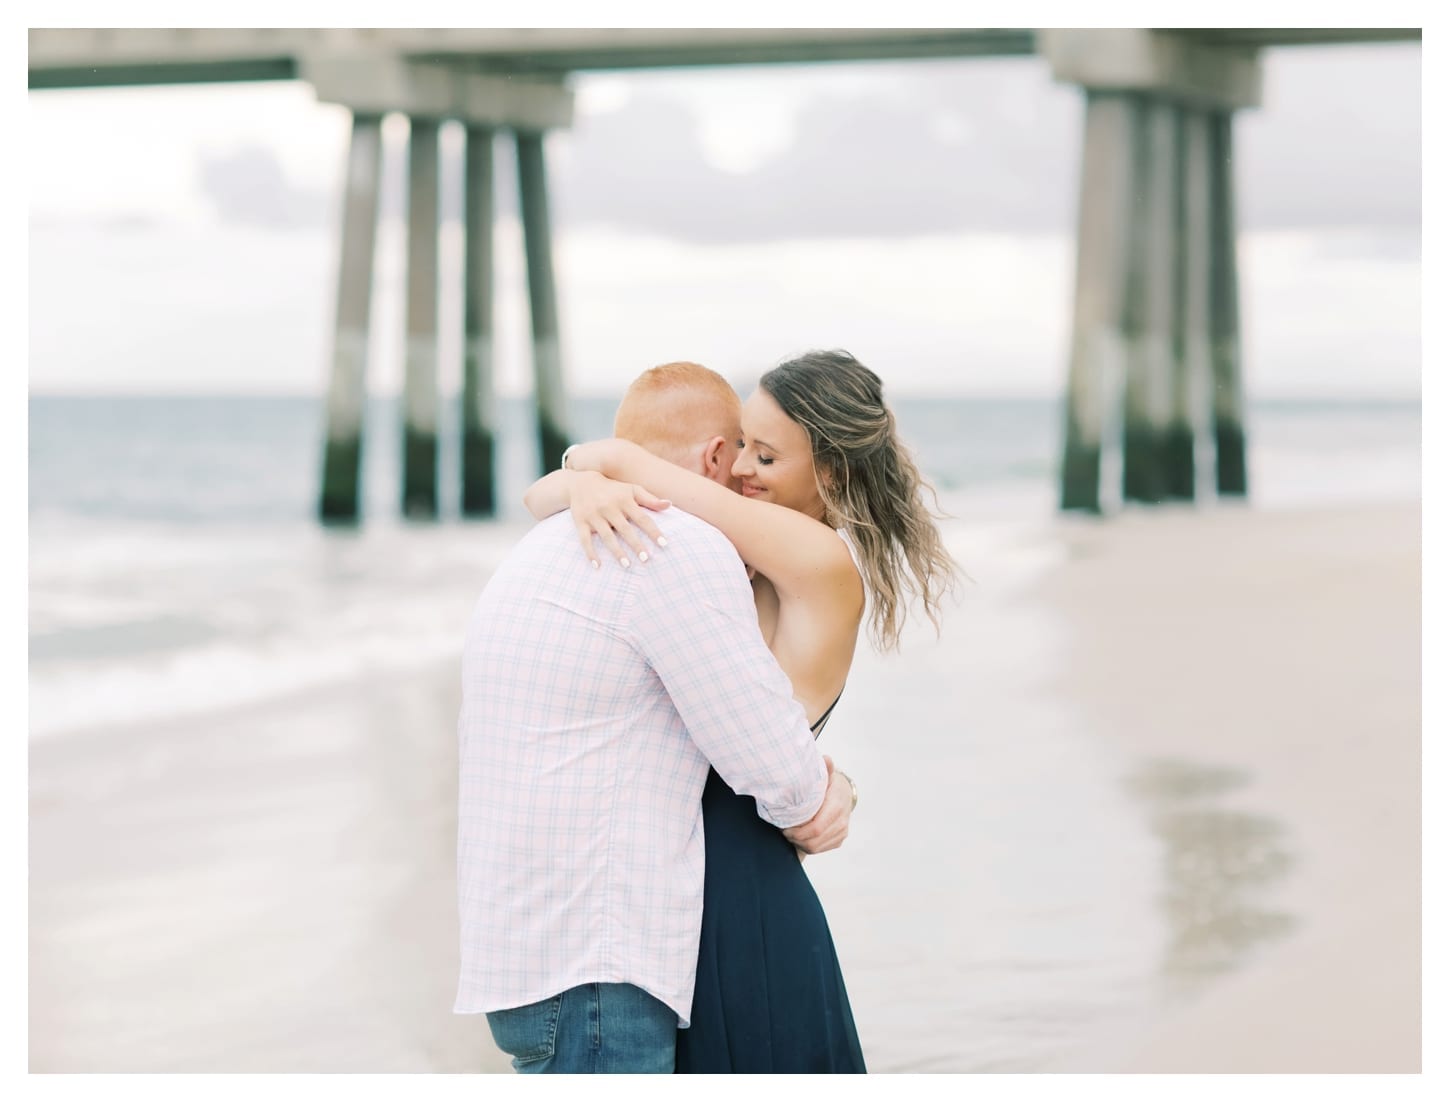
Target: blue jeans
x,y
595,1027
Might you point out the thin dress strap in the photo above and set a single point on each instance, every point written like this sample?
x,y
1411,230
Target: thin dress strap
x,y
818,724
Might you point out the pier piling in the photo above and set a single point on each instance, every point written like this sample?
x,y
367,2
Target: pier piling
x,y
1228,424
543,310
420,381
1096,359
1157,333
1191,364
347,385
1148,317
478,414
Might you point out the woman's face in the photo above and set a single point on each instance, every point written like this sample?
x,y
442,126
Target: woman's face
x,y
774,461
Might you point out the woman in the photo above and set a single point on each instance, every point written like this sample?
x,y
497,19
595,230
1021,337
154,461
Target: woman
x,y
825,485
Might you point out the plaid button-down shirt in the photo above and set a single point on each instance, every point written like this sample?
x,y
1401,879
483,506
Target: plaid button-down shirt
x,y
594,703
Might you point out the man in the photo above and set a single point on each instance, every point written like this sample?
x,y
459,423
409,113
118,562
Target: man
x,y
594,703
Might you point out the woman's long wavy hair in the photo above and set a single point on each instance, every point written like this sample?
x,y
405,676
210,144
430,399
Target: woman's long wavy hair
x,y
870,485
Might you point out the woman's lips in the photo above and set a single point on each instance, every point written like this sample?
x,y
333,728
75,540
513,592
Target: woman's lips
x,y
747,490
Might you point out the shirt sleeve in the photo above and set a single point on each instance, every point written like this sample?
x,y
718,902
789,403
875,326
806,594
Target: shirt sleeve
x,y
694,620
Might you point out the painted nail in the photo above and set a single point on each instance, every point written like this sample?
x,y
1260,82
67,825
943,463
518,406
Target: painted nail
x,y
624,562
662,541
644,556
594,563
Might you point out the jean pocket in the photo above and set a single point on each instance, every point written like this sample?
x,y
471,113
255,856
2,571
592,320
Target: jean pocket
x,y
527,1032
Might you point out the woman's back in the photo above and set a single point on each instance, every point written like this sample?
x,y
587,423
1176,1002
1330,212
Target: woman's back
x,y
811,639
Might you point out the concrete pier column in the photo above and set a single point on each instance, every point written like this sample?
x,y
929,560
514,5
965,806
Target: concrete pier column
x,y
1191,359
347,390
1148,317
1166,67
1103,226
1227,405
420,380
538,248
373,82
479,416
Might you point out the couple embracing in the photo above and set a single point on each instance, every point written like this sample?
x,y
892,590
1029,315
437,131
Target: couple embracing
x,y
639,773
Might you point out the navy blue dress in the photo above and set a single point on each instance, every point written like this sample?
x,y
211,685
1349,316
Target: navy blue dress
x,y
769,996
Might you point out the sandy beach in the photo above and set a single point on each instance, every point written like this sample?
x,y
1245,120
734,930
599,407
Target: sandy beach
x,y
271,889
1285,647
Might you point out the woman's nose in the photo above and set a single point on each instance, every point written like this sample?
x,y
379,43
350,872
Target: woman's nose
x,y
740,467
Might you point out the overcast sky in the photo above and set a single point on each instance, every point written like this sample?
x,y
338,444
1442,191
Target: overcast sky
x,y
918,214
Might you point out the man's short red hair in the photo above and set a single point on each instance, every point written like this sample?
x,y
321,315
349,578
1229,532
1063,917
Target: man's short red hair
x,y
672,408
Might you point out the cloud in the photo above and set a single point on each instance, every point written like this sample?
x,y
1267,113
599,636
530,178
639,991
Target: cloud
x,y
103,221
247,187
929,148
943,151
993,145
1388,245
1337,141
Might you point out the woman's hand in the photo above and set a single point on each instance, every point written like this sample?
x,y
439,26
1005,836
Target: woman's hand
x,y
613,511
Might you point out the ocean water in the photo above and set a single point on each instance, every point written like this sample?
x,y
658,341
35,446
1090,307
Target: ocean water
x,y
176,570
175,565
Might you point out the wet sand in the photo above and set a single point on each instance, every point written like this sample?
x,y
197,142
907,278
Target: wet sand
x,y
264,890
271,889
1284,649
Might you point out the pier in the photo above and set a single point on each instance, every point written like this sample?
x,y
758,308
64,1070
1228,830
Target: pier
x,y
1155,346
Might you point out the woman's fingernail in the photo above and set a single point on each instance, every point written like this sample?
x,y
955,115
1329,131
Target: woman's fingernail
x,y
594,563
662,541
644,556
624,561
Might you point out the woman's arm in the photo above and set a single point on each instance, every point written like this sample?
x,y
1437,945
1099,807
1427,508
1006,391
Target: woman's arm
x,y
799,555
550,494
613,510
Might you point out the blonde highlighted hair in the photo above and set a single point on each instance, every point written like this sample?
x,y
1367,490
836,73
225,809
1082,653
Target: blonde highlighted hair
x,y
870,485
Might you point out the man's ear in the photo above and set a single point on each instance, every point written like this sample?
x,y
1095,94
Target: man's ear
x,y
716,457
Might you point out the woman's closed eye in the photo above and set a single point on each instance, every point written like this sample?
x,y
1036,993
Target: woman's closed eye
x,y
763,460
